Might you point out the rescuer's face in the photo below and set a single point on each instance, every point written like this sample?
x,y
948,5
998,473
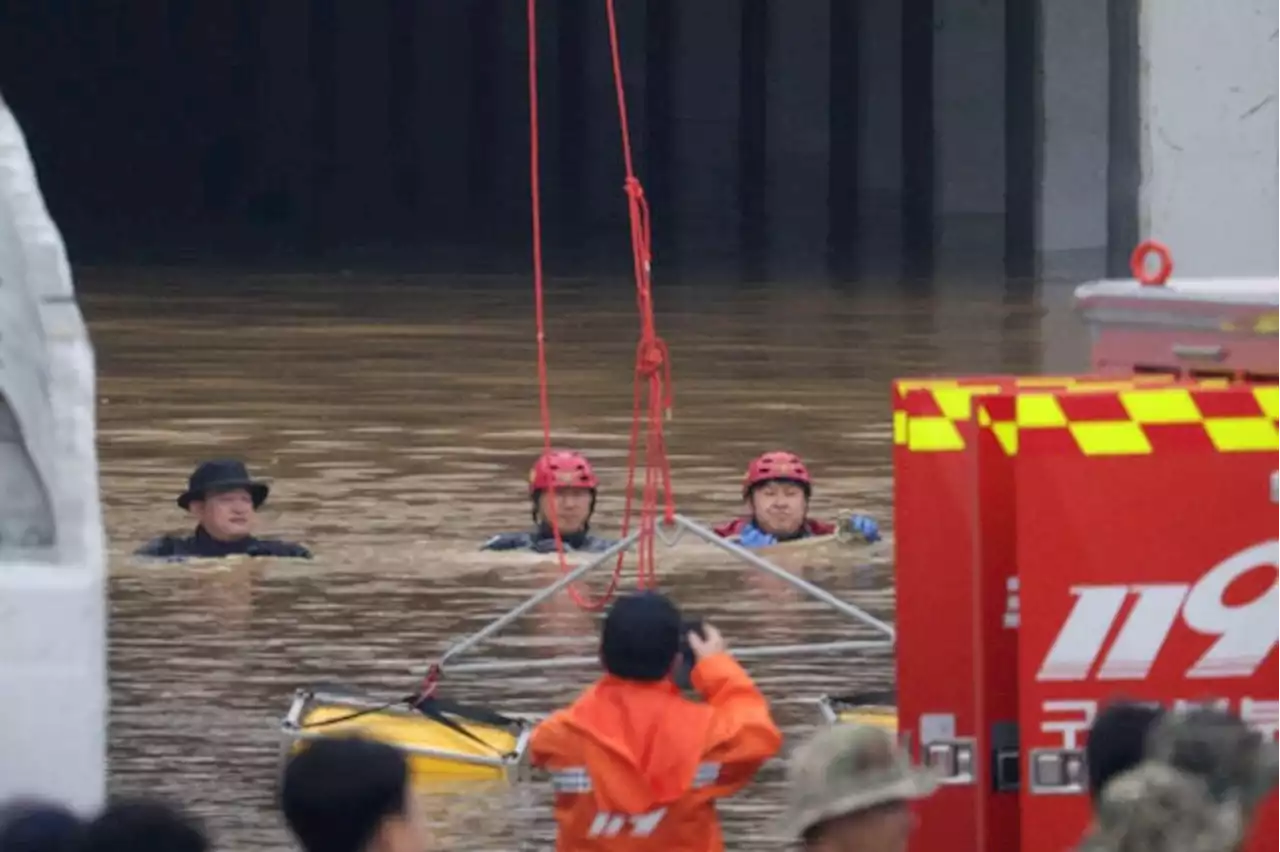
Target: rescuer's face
x,y
779,507
573,508
225,515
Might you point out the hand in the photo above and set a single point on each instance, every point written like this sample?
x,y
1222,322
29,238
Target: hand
x,y
712,644
753,536
865,527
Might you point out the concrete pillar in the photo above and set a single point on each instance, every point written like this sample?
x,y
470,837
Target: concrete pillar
x,y
880,136
1071,201
440,115
1208,134
606,200
969,134
704,125
1064,338
496,61
362,155
510,162
284,110
797,135
53,644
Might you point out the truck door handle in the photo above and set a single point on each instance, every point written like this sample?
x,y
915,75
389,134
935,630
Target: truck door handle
x,y
1192,352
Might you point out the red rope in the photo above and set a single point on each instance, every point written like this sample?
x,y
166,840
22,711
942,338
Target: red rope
x,y
653,366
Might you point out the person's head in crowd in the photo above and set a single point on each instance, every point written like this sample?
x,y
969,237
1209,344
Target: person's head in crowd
x,y
1117,741
142,825
1154,807
351,795
1235,762
641,637
850,789
32,825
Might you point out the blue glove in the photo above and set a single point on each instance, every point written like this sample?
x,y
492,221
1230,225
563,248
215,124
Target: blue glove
x,y
866,527
753,536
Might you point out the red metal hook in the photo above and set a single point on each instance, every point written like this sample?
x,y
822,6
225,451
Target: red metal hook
x,y
1138,263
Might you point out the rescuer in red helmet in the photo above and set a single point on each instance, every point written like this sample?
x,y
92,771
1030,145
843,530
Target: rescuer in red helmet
x,y
777,489
575,501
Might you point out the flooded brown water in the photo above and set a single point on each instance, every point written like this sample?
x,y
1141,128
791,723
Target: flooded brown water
x,y
398,418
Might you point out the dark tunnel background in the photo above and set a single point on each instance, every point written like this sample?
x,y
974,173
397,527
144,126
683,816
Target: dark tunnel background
x,y
396,132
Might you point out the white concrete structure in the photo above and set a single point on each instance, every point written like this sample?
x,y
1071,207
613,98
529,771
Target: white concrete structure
x,y
1208,135
880,152
969,135
1075,143
53,716
798,165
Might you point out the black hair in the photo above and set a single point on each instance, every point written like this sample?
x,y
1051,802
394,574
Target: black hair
x,y
30,825
1117,741
336,792
144,825
641,637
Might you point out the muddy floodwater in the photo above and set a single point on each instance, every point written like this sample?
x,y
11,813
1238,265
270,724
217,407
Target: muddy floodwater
x,y
398,420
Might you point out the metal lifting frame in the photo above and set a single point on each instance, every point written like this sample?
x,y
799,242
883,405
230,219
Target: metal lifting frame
x,y
680,526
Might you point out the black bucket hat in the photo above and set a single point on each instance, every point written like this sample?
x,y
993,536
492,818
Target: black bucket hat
x,y
222,475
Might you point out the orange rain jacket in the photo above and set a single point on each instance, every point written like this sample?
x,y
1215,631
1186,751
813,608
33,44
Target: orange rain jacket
x,y
637,766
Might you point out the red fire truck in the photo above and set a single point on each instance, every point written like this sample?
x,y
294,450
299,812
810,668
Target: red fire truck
x,y
1065,541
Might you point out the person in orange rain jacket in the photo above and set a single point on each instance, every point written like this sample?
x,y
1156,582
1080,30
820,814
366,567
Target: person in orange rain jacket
x,y
635,764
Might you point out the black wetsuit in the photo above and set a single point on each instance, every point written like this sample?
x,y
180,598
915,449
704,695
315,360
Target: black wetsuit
x,y
202,545
542,540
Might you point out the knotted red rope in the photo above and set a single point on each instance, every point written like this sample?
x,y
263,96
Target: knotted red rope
x,y
653,389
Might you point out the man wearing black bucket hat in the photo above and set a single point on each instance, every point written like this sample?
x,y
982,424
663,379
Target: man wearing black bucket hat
x,y
223,499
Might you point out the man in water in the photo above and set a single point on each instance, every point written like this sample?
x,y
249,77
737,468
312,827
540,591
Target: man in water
x,y
777,489
635,764
575,501
224,500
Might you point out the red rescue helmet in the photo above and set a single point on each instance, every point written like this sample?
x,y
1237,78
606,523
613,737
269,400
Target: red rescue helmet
x,y
562,468
778,464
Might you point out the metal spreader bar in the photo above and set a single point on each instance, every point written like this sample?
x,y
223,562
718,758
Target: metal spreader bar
x,y
755,560
549,592
755,652
681,525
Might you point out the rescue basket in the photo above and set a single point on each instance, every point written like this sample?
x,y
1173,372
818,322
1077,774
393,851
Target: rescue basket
x,y
864,708
440,738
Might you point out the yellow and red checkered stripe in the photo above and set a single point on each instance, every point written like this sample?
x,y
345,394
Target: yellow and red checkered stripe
x,y
1136,421
927,411
1092,416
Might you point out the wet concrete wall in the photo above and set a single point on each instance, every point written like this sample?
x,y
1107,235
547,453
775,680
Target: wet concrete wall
x,y
1207,135
873,137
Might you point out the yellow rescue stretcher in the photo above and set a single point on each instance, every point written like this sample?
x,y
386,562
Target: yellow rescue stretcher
x,y
870,708
440,738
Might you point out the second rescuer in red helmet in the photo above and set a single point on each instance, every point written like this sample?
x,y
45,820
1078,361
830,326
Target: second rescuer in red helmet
x,y
777,489
574,502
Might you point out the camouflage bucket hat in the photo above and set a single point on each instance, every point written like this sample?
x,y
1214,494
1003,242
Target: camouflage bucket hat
x,y
845,769
1156,808
1234,761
